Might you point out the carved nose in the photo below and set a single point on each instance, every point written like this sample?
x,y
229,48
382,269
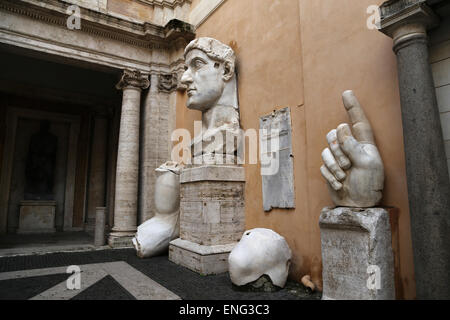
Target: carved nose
x,y
186,79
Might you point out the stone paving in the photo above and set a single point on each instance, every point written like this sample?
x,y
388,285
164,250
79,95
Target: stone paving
x,y
118,274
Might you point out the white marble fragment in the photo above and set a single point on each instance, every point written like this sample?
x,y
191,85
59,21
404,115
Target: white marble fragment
x,y
260,252
352,165
153,236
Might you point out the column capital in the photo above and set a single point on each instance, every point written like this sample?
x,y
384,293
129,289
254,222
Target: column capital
x,y
134,79
405,20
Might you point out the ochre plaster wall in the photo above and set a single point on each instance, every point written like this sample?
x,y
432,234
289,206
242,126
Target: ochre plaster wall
x,y
303,54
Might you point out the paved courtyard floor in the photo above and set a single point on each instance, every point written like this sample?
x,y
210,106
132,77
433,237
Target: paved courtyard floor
x,y
119,274
14,244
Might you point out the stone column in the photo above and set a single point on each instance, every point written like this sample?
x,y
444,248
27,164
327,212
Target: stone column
x,y
127,172
96,191
407,21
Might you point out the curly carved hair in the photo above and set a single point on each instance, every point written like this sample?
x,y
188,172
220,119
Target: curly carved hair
x,y
214,49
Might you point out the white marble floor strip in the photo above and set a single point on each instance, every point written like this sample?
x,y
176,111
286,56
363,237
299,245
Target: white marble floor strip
x,y
31,273
89,276
138,284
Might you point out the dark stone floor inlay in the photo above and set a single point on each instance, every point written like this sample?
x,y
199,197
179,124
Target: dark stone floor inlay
x,y
105,289
186,284
26,288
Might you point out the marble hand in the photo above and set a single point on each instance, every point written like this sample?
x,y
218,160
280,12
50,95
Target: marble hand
x,y
353,166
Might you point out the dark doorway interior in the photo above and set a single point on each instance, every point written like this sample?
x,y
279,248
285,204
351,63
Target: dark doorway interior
x,y
71,97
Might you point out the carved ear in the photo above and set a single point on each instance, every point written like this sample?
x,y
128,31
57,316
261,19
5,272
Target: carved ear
x,y
228,70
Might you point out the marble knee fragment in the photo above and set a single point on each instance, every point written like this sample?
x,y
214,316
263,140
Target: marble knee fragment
x,y
153,236
260,252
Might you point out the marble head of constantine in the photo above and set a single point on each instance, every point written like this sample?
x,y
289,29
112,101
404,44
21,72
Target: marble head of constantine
x,y
210,74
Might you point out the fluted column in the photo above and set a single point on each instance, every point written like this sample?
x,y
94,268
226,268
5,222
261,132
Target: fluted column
x,y
407,21
127,172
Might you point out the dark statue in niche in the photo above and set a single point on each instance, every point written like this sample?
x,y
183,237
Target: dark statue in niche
x,y
40,165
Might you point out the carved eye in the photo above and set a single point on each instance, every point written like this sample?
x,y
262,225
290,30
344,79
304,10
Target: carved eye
x,y
197,63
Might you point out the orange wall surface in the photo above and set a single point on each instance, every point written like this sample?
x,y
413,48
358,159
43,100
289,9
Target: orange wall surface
x,y
303,54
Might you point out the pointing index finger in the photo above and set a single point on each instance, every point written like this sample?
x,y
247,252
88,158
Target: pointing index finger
x,y
362,130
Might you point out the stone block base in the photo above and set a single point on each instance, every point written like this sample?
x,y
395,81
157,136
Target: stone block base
x,y
357,255
37,217
118,240
212,210
205,260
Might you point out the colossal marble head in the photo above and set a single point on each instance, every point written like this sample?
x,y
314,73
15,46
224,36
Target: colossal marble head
x,y
210,67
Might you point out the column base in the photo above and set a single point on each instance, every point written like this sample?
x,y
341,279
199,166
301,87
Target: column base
x,y
357,255
205,260
120,239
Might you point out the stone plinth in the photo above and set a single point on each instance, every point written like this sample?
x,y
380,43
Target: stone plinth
x,y
200,259
100,220
212,217
37,216
357,256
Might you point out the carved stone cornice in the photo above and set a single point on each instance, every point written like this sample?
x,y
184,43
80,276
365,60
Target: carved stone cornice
x,y
133,79
141,34
393,7
397,13
166,3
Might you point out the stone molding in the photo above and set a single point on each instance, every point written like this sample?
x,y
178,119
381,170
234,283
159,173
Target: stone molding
x,y
133,79
166,3
136,33
103,39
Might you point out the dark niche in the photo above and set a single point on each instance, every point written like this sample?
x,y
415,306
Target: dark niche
x,y
40,164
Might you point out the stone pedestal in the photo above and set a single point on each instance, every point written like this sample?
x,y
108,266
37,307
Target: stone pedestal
x,y
37,216
357,256
212,217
